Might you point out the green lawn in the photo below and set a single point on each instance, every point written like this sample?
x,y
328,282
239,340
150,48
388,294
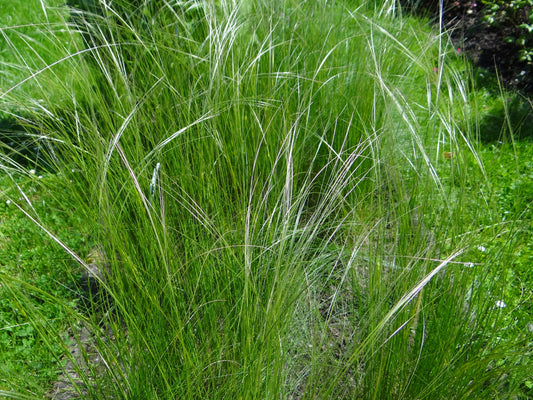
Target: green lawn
x,y
33,264
34,38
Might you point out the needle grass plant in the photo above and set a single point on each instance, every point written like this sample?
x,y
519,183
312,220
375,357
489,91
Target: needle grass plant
x,y
267,184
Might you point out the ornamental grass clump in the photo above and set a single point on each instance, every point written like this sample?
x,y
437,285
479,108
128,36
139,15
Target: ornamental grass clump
x,y
266,183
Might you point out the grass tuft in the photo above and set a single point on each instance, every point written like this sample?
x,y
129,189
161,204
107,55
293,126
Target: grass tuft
x,y
279,193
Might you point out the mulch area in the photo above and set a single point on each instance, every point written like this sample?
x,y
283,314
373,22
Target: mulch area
x,y
485,45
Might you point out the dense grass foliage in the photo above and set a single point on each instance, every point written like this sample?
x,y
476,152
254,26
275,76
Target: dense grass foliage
x,y
290,202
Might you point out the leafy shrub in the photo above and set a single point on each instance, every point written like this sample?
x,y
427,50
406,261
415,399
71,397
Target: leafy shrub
x,y
513,18
515,14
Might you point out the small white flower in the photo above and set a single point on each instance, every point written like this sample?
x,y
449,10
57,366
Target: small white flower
x,y
482,248
32,171
469,265
40,177
500,304
8,202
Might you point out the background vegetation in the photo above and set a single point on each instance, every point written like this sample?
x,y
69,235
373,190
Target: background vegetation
x,y
291,200
496,35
